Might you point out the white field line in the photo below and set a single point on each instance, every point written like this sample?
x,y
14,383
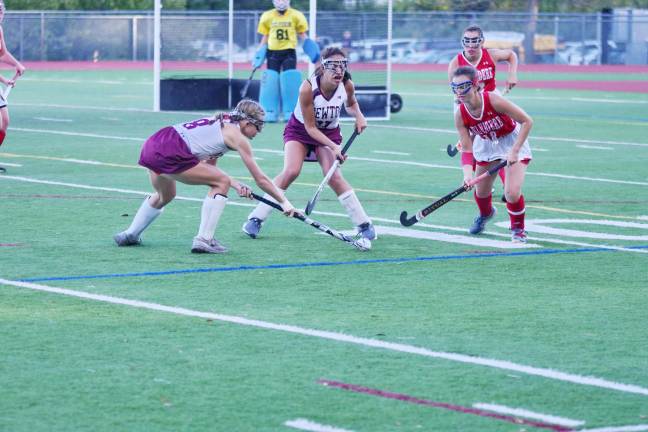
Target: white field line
x,y
642,217
182,198
307,425
412,128
392,152
584,146
450,238
548,98
428,165
574,140
79,81
99,108
52,119
519,412
552,374
386,161
10,164
634,428
80,134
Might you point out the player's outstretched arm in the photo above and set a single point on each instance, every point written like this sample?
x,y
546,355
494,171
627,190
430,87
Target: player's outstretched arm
x,y
260,178
508,56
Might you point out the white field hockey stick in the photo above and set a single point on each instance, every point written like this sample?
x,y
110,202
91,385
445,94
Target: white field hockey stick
x,y
311,204
330,231
5,94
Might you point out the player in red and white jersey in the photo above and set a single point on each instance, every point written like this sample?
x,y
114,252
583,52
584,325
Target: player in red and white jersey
x,y
313,133
188,152
6,57
500,129
484,61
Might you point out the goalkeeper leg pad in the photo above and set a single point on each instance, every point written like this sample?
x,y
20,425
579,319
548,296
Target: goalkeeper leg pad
x,y
269,94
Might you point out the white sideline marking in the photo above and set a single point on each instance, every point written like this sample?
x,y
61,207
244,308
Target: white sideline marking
x,y
519,412
51,119
560,99
410,163
392,152
307,425
642,217
81,134
575,140
183,198
342,337
76,81
413,128
109,118
10,164
451,238
538,225
634,428
593,147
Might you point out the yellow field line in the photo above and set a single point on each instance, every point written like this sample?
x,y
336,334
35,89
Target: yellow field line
x,y
374,191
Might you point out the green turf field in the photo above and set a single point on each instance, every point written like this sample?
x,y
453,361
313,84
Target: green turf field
x,y
432,330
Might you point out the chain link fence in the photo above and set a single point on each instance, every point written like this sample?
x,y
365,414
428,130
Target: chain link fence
x,y
418,37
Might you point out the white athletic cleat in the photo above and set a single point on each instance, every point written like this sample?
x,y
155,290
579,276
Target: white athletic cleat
x,y
125,239
518,236
201,245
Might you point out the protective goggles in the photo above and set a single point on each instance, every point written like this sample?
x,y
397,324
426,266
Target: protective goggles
x,y
239,115
335,65
474,42
461,88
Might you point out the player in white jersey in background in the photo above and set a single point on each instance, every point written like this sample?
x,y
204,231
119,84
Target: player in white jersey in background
x,y
313,133
188,153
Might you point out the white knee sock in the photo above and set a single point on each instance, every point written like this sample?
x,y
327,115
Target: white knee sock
x,y
354,209
212,209
143,218
262,211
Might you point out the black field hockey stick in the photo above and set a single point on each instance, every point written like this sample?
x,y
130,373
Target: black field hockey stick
x,y
311,204
245,88
315,224
409,221
452,150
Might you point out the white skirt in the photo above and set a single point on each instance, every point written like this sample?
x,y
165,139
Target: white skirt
x,y
485,150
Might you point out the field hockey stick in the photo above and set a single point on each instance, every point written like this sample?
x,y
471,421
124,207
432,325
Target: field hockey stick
x,y
315,224
409,221
5,95
311,204
245,88
452,150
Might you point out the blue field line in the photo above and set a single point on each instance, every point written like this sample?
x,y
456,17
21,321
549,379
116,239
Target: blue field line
x,y
325,264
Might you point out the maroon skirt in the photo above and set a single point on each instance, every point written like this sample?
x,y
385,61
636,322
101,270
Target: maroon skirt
x,y
296,131
165,152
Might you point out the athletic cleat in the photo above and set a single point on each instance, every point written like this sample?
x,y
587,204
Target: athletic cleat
x,y
518,236
200,245
125,239
252,227
366,230
480,222
503,198
3,170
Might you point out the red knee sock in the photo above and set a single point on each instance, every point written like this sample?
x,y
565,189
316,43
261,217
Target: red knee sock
x,y
516,213
3,134
485,204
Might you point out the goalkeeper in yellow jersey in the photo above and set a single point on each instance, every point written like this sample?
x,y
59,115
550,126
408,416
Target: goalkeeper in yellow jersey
x,y
281,28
